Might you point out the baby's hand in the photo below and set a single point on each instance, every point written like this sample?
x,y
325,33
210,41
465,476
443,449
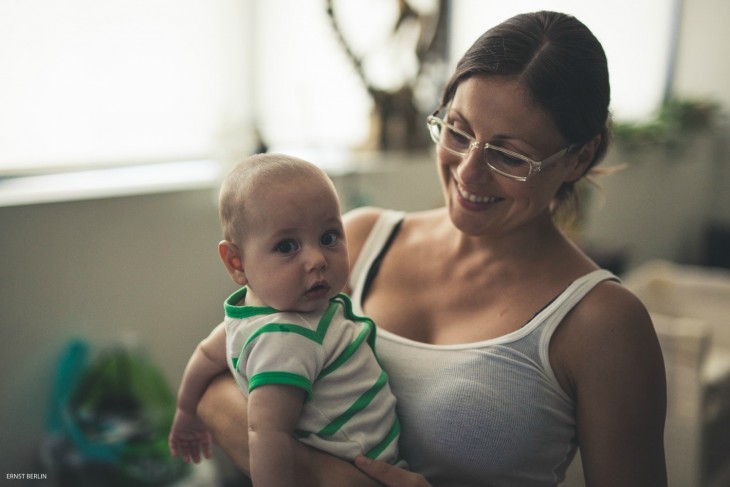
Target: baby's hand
x,y
188,437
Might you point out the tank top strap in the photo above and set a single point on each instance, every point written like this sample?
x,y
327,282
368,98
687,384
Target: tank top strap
x,y
378,237
553,314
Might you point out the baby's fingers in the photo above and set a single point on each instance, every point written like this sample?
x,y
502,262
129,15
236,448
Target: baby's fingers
x,y
186,451
194,451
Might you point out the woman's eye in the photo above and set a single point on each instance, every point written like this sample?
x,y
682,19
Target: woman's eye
x,y
457,139
287,246
505,159
329,239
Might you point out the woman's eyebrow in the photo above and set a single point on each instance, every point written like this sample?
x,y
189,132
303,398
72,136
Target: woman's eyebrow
x,y
454,115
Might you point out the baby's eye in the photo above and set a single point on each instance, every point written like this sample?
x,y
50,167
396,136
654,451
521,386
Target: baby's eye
x,y
329,238
287,246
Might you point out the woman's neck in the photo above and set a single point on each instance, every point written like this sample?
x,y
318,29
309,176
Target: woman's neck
x,y
527,243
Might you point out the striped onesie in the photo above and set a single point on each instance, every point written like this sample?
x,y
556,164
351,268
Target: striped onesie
x,y
349,408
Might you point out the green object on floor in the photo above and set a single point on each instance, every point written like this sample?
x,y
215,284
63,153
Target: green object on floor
x,y
109,420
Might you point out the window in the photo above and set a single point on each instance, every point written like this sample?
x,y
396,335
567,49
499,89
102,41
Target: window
x,y
637,37
309,97
88,82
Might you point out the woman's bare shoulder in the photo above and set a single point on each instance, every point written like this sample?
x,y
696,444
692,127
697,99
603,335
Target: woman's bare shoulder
x,y
613,367
360,222
358,225
610,329
610,305
608,312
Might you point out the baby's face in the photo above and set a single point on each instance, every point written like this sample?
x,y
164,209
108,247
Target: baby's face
x,y
294,249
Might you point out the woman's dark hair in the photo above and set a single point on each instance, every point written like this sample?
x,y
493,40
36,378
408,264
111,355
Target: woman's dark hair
x,y
562,67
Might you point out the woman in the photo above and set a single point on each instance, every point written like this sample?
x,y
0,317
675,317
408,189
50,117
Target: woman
x,y
506,346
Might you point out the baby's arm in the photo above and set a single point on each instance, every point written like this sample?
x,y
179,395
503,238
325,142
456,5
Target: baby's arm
x,y
273,413
188,435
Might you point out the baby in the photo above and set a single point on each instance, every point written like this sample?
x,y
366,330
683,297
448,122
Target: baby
x,y
290,338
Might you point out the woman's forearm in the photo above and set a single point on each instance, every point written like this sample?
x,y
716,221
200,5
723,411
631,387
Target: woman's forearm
x,y
223,410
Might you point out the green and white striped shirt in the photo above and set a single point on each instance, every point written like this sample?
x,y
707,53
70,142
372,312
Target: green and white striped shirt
x,y
349,409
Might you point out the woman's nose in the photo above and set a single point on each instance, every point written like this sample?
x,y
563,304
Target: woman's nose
x,y
472,168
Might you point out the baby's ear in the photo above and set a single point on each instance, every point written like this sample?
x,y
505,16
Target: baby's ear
x,y
233,260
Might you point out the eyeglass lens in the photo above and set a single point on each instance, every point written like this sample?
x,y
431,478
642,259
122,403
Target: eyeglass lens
x,y
458,143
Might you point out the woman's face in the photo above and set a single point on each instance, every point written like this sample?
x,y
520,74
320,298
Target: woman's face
x,y
480,201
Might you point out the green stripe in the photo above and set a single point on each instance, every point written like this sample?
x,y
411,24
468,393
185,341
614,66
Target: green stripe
x,y
235,310
361,403
348,352
280,378
350,315
389,438
315,336
284,328
326,319
347,306
301,434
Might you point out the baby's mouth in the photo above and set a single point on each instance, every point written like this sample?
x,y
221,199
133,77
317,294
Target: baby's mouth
x,y
319,289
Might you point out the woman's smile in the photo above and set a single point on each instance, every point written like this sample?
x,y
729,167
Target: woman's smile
x,y
474,198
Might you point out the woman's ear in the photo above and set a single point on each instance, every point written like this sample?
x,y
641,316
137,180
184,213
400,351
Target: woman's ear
x,y
233,260
584,158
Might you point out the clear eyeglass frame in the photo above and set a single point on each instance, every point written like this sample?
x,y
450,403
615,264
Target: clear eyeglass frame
x,y
437,125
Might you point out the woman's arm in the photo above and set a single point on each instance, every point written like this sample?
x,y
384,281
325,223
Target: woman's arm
x,y
608,354
223,409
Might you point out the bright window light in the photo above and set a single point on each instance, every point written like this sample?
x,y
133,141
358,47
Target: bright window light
x,y
118,81
637,38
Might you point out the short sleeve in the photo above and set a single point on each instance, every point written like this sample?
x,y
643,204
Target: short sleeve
x,y
283,355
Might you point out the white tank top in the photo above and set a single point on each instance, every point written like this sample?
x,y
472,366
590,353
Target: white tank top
x,y
485,413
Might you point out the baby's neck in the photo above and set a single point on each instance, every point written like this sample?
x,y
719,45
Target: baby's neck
x,y
252,299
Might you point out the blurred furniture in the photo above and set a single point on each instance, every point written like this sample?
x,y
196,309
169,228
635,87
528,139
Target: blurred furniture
x,y
690,308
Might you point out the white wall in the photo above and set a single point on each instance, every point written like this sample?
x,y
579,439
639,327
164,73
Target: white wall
x,y
703,71
659,205
144,266
703,64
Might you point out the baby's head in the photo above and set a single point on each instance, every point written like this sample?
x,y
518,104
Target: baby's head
x,y
283,233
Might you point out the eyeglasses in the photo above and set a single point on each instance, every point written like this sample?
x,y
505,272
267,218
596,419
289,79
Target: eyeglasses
x,y
502,161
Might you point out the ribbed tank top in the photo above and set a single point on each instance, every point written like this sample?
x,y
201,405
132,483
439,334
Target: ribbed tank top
x,y
484,413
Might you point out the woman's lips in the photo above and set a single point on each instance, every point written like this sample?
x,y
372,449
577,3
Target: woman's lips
x,y
474,200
